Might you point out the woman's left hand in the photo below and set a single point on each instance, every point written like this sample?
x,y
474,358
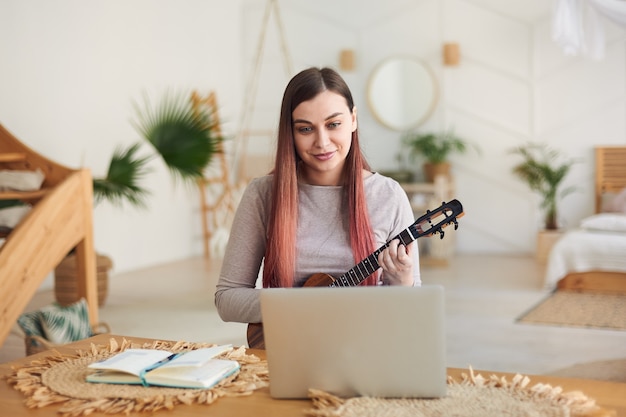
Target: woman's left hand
x,y
397,263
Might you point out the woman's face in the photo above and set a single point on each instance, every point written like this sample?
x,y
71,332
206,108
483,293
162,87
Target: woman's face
x,y
322,130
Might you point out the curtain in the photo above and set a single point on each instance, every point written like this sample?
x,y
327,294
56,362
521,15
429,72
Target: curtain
x,y
613,9
577,25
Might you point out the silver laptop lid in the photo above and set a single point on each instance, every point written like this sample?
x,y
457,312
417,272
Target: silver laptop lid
x,y
375,341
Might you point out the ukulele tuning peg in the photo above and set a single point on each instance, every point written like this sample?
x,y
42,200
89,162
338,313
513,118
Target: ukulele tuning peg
x,y
441,233
456,224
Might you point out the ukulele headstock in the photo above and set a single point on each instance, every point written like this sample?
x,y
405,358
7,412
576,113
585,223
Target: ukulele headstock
x,y
435,220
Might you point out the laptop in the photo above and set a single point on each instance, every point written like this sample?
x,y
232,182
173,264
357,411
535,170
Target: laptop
x,y
355,341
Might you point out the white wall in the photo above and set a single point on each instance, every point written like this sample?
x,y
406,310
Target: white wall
x,y
70,70
513,85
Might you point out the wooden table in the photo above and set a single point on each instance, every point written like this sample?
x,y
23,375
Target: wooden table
x,y
609,395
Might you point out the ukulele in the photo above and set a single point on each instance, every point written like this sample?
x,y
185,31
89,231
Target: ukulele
x,y
429,224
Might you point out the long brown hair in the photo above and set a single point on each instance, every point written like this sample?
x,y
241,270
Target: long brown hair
x,y
280,253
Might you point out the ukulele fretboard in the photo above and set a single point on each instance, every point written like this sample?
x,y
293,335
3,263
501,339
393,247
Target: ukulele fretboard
x,y
369,265
430,223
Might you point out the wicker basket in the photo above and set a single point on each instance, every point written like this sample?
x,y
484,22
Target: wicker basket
x,y
66,280
38,344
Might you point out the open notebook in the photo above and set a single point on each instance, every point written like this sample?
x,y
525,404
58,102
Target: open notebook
x,y
375,341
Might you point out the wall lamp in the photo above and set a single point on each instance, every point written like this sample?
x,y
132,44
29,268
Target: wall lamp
x,y
451,54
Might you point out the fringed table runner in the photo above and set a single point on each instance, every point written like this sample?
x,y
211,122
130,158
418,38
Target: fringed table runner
x,y
61,380
473,396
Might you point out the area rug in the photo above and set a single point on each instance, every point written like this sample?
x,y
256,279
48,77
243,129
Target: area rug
x,y
60,380
579,309
473,396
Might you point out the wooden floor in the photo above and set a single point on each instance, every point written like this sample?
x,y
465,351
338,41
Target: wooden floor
x,y
484,296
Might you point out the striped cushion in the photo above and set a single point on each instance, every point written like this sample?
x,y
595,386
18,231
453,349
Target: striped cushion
x,y
58,324
30,324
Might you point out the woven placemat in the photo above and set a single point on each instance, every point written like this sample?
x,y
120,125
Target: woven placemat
x,y
473,396
60,380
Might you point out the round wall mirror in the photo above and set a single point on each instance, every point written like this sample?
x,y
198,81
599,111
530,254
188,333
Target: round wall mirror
x,y
402,93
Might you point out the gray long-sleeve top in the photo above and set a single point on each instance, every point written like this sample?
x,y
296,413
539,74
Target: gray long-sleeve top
x,y
323,241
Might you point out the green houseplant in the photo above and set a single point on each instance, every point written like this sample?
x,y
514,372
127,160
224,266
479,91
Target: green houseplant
x,y
435,149
185,140
182,138
544,169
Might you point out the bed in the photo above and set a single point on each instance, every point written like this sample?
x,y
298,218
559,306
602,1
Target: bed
x,y
592,257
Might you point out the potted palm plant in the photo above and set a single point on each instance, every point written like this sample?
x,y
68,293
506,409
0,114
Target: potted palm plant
x,y
435,149
544,169
182,137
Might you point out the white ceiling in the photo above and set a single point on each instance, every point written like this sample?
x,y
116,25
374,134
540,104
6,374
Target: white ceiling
x,y
358,13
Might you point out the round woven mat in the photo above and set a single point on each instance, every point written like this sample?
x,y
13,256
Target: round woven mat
x,y
474,396
61,380
68,378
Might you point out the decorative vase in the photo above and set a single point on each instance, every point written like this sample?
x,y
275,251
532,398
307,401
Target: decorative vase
x,y
66,278
431,170
545,241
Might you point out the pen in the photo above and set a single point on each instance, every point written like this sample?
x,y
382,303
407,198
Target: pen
x,y
154,366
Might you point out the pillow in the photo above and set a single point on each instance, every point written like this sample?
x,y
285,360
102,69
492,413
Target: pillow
x,y
618,203
11,216
58,324
66,324
21,180
610,222
30,324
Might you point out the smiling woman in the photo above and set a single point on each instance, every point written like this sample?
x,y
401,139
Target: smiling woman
x,y
321,210
323,128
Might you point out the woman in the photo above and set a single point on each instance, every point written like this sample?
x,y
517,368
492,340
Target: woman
x,y
320,210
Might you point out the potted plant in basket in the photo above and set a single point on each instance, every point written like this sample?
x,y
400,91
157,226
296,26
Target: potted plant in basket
x,y
182,137
435,149
544,169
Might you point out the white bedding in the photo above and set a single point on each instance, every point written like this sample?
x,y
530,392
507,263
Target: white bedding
x,y
583,250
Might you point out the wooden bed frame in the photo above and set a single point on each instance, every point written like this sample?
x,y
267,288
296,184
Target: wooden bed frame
x,y
610,178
